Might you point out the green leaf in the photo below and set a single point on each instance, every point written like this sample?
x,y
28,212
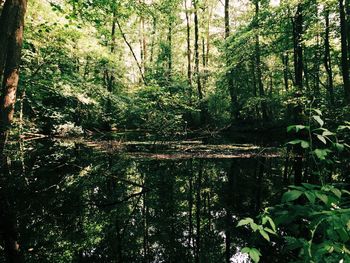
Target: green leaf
x,y
343,127
322,197
336,192
294,142
317,111
310,186
345,192
254,227
297,128
245,221
304,144
310,196
321,153
321,138
268,230
318,120
272,224
327,133
291,196
245,250
264,234
255,254
339,146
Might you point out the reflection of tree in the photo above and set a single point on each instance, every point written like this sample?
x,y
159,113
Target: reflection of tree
x,y
78,205
8,221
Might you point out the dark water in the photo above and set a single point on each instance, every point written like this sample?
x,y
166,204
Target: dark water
x,y
83,202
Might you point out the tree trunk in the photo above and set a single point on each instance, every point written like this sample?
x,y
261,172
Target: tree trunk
x,y
188,31
139,66
258,63
204,63
347,12
344,51
327,60
196,49
298,67
153,40
285,60
143,42
170,54
11,40
230,78
227,18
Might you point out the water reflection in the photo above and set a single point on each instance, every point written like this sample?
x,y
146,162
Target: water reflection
x,y
73,203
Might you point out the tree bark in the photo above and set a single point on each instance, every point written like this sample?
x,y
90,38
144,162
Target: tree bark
x,y
298,67
227,18
11,41
347,18
170,51
196,49
344,51
230,78
188,31
285,60
327,59
131,50
258,62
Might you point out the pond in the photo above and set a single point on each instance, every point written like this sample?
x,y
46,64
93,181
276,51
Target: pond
x,y
125,200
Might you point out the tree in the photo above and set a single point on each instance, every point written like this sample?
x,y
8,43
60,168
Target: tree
x,y
344,50
298,23
327,57
11,41
257,61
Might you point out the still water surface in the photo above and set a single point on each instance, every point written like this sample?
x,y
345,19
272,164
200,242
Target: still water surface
x,y
133,201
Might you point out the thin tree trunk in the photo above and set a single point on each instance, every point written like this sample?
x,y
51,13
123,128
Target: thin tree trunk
x,y
227,18
327,60
258,62
170,51
153,39
131,50
344,51
298,65
318,60
347,12
188,31
204,63
230,79
206,48
196,49
143,42
285,60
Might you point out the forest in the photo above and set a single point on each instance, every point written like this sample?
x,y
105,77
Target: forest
x,y
174,131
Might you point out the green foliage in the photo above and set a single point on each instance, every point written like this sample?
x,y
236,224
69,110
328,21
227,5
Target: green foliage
x,y
158,110
323,235
325,216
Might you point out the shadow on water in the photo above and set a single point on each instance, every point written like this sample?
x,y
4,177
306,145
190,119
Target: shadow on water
x,y
77,203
